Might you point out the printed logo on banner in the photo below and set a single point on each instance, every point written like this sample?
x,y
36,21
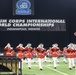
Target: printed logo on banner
x,y
23,7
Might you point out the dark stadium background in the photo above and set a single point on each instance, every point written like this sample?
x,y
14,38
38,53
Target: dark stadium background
x,y
43,9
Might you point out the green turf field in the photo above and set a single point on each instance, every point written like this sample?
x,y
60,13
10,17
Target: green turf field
x,y
48,69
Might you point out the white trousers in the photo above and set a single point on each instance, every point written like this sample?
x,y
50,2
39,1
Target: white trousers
x,y
55,61
75,59
29,62
45,58
40,60
71,62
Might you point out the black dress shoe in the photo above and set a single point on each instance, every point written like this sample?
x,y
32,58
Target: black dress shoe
x,y
73,66
41,69
29,68
54,67
70,68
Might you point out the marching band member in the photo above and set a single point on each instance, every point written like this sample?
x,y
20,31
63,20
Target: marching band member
x,y
41,55
9,50
20,49
71,56
28,54
20,54
55,54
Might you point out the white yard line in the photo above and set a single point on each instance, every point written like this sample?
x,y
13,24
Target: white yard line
x,y
57,71
51,65
34,65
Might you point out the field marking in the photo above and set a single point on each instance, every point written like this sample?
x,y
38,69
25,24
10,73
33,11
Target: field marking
x,y
57,71
52,65
34,65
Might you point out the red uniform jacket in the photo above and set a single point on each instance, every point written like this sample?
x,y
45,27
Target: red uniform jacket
x,y
9,51
34,52
65,52
54,52
28,55
71,53
41,55
20,55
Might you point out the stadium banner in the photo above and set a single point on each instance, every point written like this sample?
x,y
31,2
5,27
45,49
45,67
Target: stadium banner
x,y
23,7
32,25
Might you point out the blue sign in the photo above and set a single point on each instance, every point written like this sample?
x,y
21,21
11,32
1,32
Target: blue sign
x,y
23,7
